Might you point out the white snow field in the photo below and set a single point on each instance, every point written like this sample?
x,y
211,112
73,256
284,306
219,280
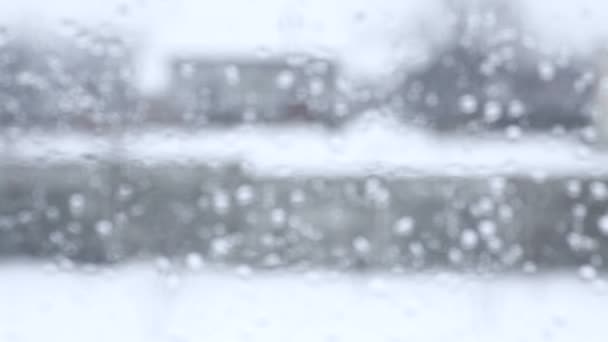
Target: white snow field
x,y
137,303
367,146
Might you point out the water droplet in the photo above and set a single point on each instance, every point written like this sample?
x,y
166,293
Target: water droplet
x,y
529,267
76,204
297,196
505,212
278,216
417,249
124,192
221,202
57,238
361,245
25,217
52,213
468,239
494,244
220,246
587,272
497,185
589,135
194,261
186,70
487,228
492,111
104,227
431,100
513,132
404,226
467,104
574,188
376,191
244,271
6,223
244,195
599,191
271,260
232,75
516,109
580,242
65,264
602,224
455,255
579,211
163,264
285,79
74,227
317,86
546,71
484,206
512,255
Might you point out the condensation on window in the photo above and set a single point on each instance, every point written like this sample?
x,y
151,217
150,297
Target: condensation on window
x,y
303,170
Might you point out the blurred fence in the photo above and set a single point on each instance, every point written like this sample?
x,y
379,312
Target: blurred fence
x,y
107,211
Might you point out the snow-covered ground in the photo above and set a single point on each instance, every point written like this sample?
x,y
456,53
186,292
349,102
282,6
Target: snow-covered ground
x,y
373,146
136,303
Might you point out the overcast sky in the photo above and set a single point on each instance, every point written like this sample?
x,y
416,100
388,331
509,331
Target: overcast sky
x,y
362,33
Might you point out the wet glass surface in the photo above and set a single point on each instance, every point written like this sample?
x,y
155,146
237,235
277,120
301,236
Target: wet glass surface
x,y
300,170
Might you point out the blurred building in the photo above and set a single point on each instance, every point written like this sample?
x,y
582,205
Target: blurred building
x,y
241,89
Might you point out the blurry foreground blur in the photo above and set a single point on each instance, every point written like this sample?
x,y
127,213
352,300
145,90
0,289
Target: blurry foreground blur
x,y
312,172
